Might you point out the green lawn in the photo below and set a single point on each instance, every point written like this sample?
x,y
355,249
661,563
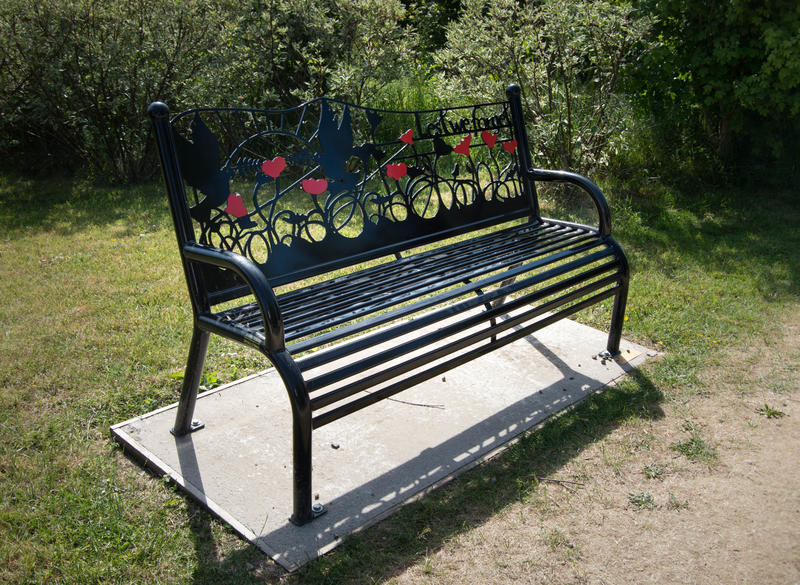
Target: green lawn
x,y
94,322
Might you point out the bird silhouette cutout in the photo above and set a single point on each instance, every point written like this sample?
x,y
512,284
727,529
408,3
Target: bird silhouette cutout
x,y
199,161
414,172
374,119
440,147
336,140
378,154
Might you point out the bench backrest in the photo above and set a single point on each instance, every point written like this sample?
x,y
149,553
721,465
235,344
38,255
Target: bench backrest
x,y
329,184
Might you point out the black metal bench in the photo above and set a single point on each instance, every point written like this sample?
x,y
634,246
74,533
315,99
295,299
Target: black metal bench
x,y
363,251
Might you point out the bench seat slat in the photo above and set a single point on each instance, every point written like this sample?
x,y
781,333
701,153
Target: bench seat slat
x,y
374,296
390,271
472,320
372,293
417,293
444,311
334,288
424,303
426,276
440,368
340,284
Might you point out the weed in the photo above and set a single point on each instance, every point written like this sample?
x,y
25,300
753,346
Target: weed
x,y
674,503
525,488
691,427
210,381
642,501
655,471
555,539
770,412
696,449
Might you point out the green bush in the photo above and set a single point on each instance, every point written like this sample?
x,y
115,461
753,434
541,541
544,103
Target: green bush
x,y
725,78
568,56
77,75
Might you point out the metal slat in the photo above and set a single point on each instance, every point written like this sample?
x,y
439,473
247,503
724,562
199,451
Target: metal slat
x,y
371,303
317,295
353,406
429,302
412,364
249,316
362,342
424,281
292,298
449,248
441,334
435,265
386,272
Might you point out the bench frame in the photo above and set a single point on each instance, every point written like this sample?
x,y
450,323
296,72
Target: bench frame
x,y
226,270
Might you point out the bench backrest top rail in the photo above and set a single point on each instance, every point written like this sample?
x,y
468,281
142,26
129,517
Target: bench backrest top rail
x,y
327,184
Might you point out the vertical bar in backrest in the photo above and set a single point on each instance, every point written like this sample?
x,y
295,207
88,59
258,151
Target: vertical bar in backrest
x,y
184,230
514,94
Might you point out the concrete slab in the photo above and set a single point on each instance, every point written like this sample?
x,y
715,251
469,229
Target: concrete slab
x,y
368,464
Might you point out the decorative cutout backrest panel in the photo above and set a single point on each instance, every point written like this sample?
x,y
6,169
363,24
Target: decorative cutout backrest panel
x,y
304,190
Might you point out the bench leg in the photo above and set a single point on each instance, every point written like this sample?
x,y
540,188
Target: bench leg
x,y
303,510
617,318
191,383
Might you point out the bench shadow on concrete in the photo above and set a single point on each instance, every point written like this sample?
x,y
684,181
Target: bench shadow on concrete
x,y
372,553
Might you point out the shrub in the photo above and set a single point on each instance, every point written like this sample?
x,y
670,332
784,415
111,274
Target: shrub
x,y
727,76
568,56
76,76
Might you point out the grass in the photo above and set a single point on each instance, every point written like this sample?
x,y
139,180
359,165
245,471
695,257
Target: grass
x,y
655,471
770,412
95,323
673,503
696,449
642,501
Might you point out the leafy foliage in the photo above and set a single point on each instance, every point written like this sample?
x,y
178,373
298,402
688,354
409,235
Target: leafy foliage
x,y
376,48
728,69
567,55
76,75
718,80
429,19
278,53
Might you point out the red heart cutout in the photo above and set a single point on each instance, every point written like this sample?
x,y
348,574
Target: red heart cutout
x,y
315,186
408,136
510,146
235,206
489,138
396,170
463,146
274,167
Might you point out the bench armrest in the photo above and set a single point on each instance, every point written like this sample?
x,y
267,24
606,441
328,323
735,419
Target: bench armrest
x,y
603,212
255,280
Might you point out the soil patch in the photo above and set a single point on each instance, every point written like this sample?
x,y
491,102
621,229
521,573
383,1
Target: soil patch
x,y
708,493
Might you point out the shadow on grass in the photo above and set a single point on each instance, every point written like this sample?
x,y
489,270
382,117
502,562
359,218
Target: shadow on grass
x,y
751,234
67,206
420,528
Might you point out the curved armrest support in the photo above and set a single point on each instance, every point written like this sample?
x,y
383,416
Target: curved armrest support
x,y
253,277
600,202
